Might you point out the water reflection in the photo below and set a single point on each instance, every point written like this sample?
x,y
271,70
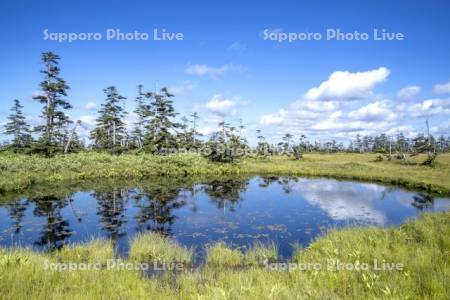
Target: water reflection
x,y
16,210
111,209
422,201
156,208
225,193
346,201
56,229
196,211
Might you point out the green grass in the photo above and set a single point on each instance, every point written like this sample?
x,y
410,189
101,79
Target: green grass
x,y
422,246
23,276
153,247
260,253
97,250
20,172
219,255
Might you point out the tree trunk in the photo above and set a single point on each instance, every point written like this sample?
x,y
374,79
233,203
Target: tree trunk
x,y
114,133
66,149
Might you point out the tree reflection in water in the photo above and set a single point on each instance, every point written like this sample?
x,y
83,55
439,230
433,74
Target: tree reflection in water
x,y
156,208
56,230
16,210
154,205
422,201
226,193
265,181
111,209
286,183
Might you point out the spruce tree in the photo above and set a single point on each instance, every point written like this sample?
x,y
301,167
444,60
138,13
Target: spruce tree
x,y
161,127
195,133
402,145
188,137
286,143
184,137
263,147
225,145
17,127
110,131
54,90
142,112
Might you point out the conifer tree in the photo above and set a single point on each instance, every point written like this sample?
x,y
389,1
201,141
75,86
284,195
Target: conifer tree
x,y
286,143
142,112
195,133
17,127
54,90
110,131
184,137
225,145
263,147
161,127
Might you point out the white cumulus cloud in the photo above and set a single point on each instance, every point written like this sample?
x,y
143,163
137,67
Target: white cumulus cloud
x,y
344,85
374,111
222,106
409,92
426,108
273,119
442,88
91,106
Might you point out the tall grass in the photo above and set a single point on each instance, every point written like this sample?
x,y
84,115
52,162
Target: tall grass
x,y
422,246
153,247
259,254
98,250
219,255
19,172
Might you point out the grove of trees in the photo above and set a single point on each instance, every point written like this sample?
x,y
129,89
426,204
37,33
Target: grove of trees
x,y
159,129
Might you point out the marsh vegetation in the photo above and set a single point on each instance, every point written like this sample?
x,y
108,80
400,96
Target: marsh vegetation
x,y
420,246
156,190
20,172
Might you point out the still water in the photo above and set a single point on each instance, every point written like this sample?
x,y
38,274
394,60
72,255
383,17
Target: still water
x,y
198,212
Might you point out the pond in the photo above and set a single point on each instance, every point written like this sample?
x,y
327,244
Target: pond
x,y
197,212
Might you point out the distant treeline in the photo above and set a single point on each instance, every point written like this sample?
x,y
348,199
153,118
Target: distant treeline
x,y
384,143
157,129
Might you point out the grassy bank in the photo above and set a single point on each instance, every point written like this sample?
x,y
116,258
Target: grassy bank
x,y
421,247
19,172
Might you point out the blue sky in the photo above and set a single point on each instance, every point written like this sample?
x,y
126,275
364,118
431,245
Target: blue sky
x,y
223,68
